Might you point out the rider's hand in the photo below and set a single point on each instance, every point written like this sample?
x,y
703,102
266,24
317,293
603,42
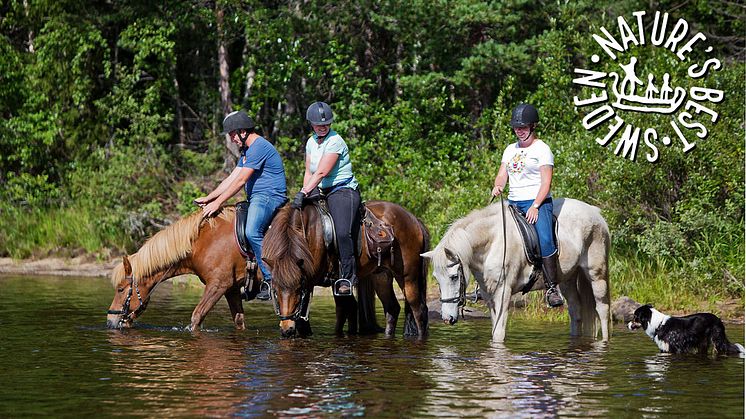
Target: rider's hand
x,y
298,200
210,209
532,215
497,190
201,202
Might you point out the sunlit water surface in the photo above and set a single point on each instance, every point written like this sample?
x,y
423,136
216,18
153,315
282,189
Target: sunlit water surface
x,y
57,359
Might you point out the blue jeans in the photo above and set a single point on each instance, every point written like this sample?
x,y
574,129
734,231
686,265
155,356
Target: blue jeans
x,y
262,209
544,224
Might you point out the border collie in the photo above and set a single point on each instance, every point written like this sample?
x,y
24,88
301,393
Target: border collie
x,y
688,334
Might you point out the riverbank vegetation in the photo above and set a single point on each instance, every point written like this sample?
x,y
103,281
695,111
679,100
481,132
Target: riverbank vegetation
x,y
111,114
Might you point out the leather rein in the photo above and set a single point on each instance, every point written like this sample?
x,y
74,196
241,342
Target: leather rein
x,y
125,313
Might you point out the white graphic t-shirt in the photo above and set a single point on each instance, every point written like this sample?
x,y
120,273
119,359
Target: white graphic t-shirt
x,y
523,169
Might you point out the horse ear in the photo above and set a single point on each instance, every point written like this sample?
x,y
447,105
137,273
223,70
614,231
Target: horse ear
x,y
127,266
450,254
428,255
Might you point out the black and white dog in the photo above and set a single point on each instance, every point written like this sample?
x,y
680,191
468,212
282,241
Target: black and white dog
x,y
688,334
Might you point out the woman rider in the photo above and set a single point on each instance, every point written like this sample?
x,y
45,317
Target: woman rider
x,y
329,168
529,163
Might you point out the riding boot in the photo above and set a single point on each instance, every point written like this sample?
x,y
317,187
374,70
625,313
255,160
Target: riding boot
x,y
264,288
549,267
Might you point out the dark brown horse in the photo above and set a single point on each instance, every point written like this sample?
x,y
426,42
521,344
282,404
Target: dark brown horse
x,y
295,252
192,245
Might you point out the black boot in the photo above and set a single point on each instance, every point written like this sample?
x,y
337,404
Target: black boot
x,y
549,267
264,291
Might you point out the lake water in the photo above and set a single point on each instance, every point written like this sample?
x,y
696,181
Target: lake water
x,y
57,359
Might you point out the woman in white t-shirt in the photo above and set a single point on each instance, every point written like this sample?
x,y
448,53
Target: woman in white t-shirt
x,y
329,168
528,164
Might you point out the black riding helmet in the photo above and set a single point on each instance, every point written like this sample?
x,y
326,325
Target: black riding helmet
x,y
319,113
237,120
524,115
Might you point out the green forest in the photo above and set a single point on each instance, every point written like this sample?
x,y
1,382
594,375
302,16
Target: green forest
x,y
111,114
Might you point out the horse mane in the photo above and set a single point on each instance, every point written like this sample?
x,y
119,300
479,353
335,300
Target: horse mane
x,y
459,237
286,249
168,246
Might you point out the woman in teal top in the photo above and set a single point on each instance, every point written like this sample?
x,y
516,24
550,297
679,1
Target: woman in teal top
x,y
329,168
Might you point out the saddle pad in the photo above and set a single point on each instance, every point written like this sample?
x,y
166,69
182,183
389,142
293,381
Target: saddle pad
x,y
528,235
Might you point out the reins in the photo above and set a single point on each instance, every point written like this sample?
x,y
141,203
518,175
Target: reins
x,y
502,269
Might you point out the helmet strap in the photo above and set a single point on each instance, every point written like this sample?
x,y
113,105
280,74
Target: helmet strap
x,y
243,138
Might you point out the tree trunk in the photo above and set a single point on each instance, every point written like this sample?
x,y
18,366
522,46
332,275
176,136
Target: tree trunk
x,y
30,31
224,83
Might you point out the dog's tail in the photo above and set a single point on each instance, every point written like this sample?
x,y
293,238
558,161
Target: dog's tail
x,y
723,345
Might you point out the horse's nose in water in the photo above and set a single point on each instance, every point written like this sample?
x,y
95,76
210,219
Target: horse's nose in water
x,y
288,332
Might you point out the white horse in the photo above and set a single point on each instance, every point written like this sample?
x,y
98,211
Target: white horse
x,y
480,244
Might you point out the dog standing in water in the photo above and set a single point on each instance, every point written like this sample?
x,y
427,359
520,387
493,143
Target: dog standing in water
x,y
688,334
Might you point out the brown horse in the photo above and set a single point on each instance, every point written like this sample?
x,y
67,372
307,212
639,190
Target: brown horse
x,y
192,245
295,252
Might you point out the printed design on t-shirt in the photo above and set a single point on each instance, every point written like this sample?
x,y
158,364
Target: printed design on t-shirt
x,y
517,163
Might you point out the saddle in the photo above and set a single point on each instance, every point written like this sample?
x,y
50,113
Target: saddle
x,y
379,236
242,210
530,245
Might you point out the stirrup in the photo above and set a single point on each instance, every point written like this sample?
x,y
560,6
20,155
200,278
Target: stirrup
x,y
264,291
339,284
553,291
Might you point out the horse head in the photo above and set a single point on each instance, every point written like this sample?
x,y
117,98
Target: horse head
x,y
286,253
131,297
452,274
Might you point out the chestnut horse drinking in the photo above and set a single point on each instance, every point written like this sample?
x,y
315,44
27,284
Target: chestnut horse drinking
x,y
192,245
295,252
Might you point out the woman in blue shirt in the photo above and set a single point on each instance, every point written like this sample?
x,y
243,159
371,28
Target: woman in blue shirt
x,y
329,168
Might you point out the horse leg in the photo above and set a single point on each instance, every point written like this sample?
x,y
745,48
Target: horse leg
x,y
213,292
499,315
233,297
569,290
391,308
346,309
599,281
415,309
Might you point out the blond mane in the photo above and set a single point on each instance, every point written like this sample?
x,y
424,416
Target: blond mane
x,y
168,246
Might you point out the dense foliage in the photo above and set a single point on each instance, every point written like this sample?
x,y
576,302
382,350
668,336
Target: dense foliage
x,y
111,112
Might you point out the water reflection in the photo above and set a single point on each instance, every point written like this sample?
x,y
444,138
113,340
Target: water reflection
x,y
196,375
164,371
501,381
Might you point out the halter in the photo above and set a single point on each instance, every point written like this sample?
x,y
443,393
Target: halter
x,y
125,313
461,297
301,309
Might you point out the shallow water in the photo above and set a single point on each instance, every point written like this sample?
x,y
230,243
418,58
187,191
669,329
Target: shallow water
x,y
58,360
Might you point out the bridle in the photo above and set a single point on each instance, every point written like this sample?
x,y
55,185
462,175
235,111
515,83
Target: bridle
x,y
461,297
301,309
125,313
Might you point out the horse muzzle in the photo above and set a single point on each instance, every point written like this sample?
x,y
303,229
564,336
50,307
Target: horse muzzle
x,y
114,321
288,329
